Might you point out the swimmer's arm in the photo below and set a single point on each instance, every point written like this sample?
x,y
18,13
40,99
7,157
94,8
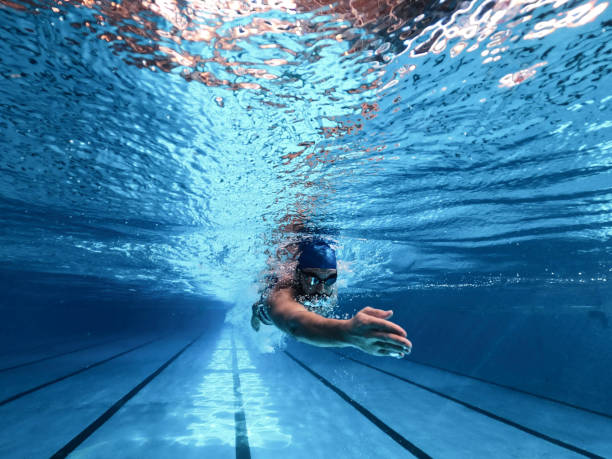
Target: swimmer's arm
x,y
304,325
368,330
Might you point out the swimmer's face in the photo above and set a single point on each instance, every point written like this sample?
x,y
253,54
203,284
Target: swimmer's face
x,y
317,281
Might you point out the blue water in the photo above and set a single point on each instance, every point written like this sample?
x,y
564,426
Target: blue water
x,y
156,155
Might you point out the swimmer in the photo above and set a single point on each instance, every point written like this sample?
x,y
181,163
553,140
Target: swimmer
x,y
313,279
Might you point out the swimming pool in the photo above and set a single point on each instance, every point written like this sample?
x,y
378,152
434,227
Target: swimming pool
x,y
157,154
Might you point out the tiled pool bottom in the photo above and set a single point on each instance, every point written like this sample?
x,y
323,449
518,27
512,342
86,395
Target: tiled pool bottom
x,y
210,395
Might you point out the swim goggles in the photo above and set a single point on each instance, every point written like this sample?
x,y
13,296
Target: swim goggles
x,y
313,279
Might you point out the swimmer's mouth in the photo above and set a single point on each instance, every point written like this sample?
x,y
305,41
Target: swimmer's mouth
x,y
322,296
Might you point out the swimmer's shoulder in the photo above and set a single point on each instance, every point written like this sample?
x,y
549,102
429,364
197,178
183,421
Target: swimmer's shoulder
x,y
283,286
284,282
280,280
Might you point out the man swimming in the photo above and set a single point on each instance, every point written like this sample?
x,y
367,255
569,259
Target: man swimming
x,y
314,279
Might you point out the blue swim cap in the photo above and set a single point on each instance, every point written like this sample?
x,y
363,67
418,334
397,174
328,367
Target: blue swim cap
x,y
316,253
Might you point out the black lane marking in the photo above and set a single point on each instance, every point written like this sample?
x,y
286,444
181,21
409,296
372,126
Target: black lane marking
x,y
516,425
243,450
74,373
42,345
543,397
32,362
95,425
401,440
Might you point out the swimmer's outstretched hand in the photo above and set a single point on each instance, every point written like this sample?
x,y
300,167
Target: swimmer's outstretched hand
x,y
369,331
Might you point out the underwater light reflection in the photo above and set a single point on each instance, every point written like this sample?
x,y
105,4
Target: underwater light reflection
x,y
214,403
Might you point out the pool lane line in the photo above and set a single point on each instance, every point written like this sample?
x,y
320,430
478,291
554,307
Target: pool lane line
x,y
74,373
95,425
400,439
42,359
42,345
542,397
243,450
482,411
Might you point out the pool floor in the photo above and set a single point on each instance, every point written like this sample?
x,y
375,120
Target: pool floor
x,y
189,394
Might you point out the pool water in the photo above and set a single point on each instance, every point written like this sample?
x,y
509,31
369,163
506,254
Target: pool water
x,y
158,156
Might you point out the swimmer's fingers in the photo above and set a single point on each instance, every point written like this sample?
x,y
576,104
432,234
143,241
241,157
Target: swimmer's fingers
x,y
392,347
391,338
389,353
380,313
386,326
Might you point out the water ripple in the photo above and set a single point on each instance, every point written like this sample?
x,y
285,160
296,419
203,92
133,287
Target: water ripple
x,y
175,145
